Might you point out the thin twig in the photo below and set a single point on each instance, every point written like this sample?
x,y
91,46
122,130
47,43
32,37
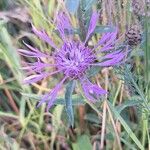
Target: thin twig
x,y
104,111
11,101
81,118
103,126
115,129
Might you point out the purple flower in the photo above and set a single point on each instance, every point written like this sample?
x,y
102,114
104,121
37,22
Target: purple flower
x,y
72,58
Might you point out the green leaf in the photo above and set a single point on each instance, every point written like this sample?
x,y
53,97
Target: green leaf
x,y
76,99
86,5
3,22
56,122
104,29
130,146
68,102
84,13
9,115
83,143
128,103
99,29
92,118
131,80
126,127
22,110
93,71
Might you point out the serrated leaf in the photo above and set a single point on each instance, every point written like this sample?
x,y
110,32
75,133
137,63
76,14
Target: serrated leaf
x,y
84,13
126,104
126,127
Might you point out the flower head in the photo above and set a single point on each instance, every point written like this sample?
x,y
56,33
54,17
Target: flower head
x,y
72,58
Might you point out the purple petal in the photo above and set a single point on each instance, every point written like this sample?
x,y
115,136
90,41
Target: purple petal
x,y
114,60
34,78
38,77
43,36
50,97
107,41
92,91
37,66
112,54
92,25
108,38
62,24
33,53
112,39
32,48
105,49
104,38
27,53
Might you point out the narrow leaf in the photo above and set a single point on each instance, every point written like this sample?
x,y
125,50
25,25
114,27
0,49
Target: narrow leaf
x,y
76,99
68,102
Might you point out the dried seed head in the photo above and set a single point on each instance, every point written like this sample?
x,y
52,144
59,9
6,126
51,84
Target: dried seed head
x,y
147,3
141,8
134,35
138,7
